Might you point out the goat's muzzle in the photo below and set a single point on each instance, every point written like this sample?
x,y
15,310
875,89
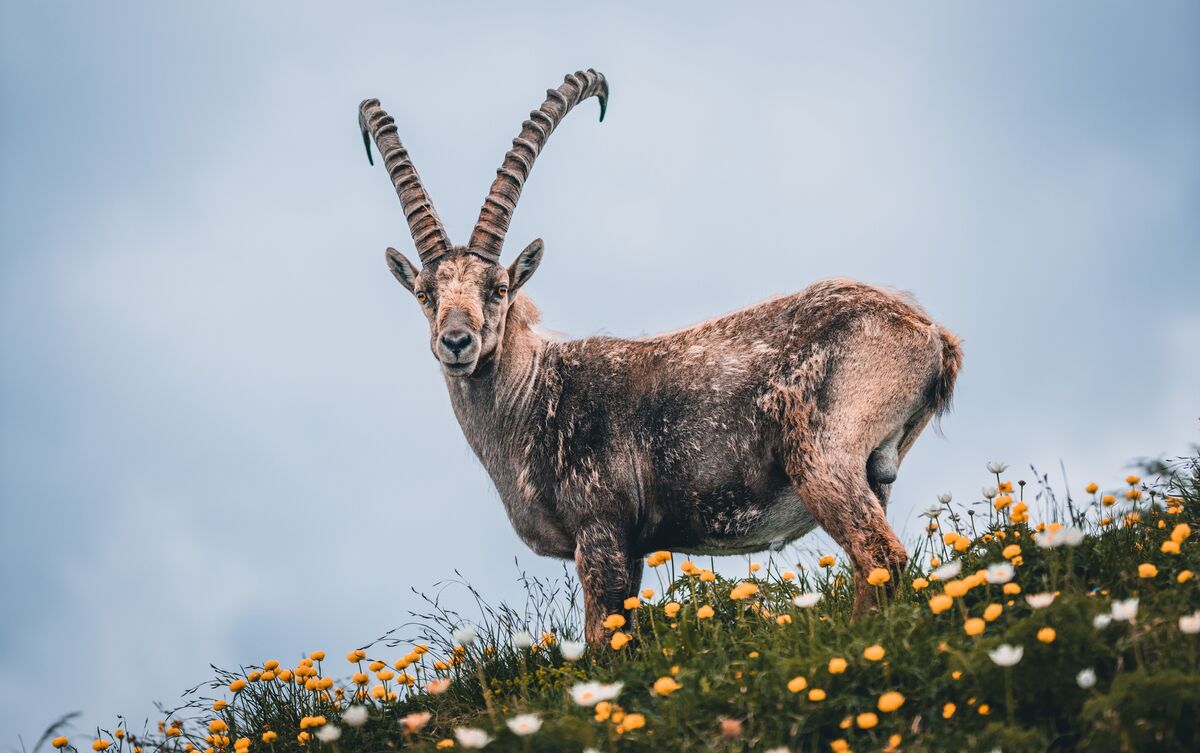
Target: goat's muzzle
x,y
458,350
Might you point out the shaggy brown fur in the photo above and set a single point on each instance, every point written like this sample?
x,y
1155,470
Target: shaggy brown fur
x,y
741,433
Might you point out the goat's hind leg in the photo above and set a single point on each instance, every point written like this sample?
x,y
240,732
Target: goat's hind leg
x,y
834,489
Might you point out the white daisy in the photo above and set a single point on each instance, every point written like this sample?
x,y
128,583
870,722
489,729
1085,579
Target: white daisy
x,y
471,737
806,600
591,693
355,716
1040,601
328,733
1005,655
1125,610
948,570
1001,572
525,724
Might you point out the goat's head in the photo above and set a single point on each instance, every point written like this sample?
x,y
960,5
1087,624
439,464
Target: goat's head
x,y
465,292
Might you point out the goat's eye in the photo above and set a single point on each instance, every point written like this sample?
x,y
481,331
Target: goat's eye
x,y
422,297
502,291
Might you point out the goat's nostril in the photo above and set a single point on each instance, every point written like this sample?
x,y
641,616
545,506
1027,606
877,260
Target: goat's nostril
x,y
456,341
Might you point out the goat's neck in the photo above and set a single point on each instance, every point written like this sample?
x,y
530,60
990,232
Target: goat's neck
x,y
494,407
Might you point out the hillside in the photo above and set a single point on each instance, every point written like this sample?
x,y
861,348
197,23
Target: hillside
x,y
1025,622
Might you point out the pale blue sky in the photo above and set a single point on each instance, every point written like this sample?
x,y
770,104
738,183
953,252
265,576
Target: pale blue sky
x,y
222,436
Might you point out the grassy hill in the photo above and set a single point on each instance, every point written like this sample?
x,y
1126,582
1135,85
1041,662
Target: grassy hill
x,y
1025,622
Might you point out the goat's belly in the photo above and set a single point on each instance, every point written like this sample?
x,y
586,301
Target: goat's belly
x,y
755,526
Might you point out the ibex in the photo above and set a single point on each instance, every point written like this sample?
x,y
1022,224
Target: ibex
x,y
740,433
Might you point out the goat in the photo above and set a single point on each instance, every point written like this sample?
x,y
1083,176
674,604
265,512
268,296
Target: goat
x,y
740,433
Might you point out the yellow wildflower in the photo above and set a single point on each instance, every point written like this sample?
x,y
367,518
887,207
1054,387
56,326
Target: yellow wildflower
x,y
873,653
707,576
837,665
671,609
1180,532
827,560
1092,488
948,710
974,626
866,720
890,701
1184,576
797,683
603,711
984,709
60,742
743,590
705,612
787,575
269,737
1108,500
631,722
444,744
816,695
783,619
1010,551
1132,480
992,611
1047,635
614,622
99,745
666,685
237,685
1012,589
217,725
878,576
955,588
1147,570
633,602
619,640
940,603
1170,547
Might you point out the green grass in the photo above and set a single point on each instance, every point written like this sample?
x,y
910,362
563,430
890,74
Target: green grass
x,y
733,669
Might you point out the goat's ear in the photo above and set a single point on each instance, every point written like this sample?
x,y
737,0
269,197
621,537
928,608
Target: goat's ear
x,y
527,261
402,268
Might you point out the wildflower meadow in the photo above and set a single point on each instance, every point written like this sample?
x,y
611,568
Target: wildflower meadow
x,y
1025,621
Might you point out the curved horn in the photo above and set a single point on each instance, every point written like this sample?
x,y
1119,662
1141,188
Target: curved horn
x,y
488,235
423,221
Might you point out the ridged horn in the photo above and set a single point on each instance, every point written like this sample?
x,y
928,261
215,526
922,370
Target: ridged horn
x,y
488,236
423,221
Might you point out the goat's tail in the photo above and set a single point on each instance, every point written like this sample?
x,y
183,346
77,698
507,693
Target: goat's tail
x,y
941,390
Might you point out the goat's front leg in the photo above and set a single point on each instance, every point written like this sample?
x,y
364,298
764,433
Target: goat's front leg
x,y
605,573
